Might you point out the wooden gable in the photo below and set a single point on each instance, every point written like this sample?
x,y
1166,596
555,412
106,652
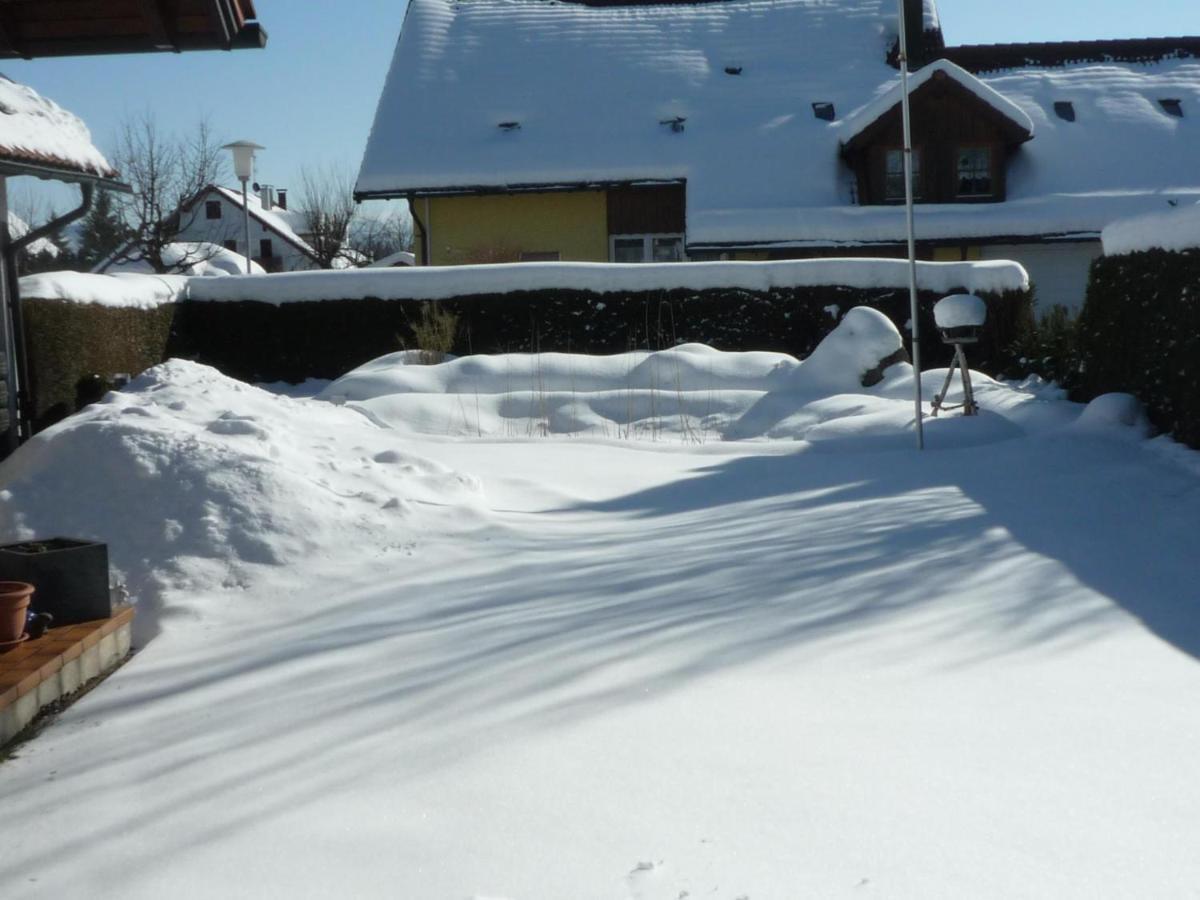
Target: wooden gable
x,y
947,118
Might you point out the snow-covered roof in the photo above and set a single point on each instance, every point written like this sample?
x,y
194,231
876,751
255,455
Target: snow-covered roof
x,y
38,132
867,115
18,228
590,86
501,94
287,223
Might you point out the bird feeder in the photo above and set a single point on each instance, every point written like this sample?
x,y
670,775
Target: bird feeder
x,y
960,318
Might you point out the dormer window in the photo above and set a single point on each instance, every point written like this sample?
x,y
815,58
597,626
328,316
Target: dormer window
x,y
975,172
894,170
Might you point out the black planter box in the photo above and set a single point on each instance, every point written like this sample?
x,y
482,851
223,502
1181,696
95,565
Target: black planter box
x,y
70,577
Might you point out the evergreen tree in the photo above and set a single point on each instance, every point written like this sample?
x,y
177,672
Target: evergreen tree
x,y
102,231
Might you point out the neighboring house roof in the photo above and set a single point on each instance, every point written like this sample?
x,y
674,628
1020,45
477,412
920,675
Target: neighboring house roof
x,y
18,228
40,28
39,136
518,94
287,223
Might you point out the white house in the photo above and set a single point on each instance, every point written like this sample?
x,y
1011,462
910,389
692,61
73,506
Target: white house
x,y
214,216
629,130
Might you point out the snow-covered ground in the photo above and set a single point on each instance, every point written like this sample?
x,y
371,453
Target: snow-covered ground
x,y
395,662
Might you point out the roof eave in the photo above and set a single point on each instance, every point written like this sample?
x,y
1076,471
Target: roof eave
x,y
10,168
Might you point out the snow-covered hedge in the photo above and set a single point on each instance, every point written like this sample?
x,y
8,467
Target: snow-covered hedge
x,y
68,344
1170,229
1139,332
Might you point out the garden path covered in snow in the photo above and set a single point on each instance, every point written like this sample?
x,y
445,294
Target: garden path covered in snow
x,y
401,662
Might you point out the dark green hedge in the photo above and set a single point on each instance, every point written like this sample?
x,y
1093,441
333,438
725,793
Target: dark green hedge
x,y
68,343
1139,332
324,339
258,342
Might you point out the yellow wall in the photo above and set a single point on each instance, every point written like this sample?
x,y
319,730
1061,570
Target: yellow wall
x,y
499,227
957,254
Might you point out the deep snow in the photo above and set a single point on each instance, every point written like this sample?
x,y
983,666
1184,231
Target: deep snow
x,y
393,664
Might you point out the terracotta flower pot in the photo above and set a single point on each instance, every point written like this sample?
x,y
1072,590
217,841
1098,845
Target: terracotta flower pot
x,y
14,604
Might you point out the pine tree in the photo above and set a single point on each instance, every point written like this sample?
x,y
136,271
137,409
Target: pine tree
x,y
102,231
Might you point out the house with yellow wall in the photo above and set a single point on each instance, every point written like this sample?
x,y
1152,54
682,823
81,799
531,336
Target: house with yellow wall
x,y
631,131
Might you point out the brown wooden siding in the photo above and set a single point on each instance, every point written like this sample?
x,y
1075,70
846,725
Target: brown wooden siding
x,y
647,209
946,117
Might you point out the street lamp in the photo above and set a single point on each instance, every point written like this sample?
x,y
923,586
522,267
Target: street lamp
x,y
243,168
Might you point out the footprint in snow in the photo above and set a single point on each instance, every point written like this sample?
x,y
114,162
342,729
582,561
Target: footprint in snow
x,y
230,424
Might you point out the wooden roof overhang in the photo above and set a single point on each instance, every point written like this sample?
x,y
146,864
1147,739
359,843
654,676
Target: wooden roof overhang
x,y
979,58
549,187
1013,132
31,29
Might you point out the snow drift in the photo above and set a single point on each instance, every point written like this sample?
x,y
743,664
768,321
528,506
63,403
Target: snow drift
x,y
694,393
195,479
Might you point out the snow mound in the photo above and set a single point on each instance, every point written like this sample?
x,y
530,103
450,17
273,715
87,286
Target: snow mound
x,y
858,377
130,290
855,353
960,311
1174,229
1118,413
196,481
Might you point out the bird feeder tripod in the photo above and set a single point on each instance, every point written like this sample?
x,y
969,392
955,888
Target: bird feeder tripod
x,y
960,318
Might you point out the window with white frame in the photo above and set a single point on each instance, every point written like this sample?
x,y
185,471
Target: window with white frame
x,y
643,248
975,172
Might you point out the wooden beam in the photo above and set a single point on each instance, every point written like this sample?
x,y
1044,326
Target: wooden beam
x,y
8,44
222,22
156,21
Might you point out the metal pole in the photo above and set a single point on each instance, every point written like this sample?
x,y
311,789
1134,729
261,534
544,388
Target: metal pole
x,y
912,241
246,217
11,380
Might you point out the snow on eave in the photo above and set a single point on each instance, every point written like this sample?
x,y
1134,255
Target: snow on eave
x,y
861,119
38,133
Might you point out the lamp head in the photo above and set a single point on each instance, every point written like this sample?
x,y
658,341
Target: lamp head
x,y
243,158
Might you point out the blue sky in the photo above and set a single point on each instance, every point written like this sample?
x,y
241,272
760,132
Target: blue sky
x,y
311,95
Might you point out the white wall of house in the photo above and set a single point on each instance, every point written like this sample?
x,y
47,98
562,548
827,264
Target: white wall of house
x,y
1059,270
228,230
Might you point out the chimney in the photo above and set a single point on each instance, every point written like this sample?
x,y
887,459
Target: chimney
x,y
265,196
924,44
281,198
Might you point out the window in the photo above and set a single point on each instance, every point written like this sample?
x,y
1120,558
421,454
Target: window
x,y
212,209
975,172
894,180
264,248
539,256
231,245
1065,110
640,248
